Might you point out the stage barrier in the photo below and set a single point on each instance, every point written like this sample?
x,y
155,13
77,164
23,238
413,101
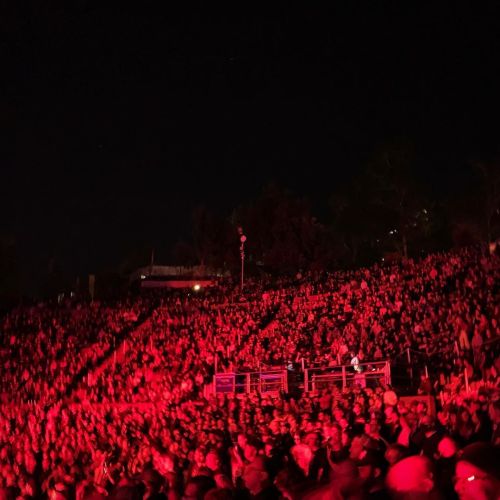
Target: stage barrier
x,y
364,374
264,382
315,379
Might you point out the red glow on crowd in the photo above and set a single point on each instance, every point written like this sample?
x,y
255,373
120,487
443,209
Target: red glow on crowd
x,y
118,398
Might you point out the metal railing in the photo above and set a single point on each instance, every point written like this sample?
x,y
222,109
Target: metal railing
x,y
264,382
346,375
275,381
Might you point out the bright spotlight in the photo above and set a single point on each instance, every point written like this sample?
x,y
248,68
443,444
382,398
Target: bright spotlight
x,y
196,287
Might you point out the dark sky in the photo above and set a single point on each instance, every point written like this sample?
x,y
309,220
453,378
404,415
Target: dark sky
x,y
116,122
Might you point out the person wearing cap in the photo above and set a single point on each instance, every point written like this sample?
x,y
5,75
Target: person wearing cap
x,y
477,473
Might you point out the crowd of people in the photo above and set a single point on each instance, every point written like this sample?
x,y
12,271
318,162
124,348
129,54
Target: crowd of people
x,y
38,345
117,399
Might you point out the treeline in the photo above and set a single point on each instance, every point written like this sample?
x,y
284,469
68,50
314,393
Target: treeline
x,y
386,212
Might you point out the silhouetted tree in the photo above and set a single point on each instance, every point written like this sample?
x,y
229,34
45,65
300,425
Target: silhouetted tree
x,y
396,194
282,232
207,234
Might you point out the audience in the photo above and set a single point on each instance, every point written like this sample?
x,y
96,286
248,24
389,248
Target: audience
x,y
117,399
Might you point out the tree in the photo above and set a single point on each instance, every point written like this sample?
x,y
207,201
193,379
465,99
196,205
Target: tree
x,y
397,195
282,232
350,221
208,236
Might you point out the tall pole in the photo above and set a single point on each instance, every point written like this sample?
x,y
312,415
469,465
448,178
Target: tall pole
x,y
243,238
242,266
152,263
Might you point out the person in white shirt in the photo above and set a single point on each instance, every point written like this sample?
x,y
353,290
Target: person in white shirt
x,y
355,362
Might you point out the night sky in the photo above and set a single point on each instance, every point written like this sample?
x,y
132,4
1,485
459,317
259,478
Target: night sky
x,y
116,122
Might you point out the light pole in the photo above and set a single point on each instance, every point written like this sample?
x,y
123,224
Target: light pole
x,y
243,238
